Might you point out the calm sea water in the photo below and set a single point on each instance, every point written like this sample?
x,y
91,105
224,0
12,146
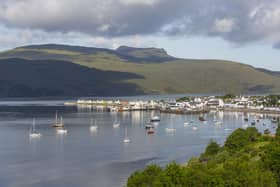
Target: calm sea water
x,y
97,159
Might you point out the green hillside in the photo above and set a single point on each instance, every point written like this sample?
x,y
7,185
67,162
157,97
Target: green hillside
x,y
160,72
247,159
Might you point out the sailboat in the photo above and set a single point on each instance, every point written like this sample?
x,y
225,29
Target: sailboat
x,y
57,123
194,128
126,139
33,133
186,124
172,129
116,124
93,127
62,131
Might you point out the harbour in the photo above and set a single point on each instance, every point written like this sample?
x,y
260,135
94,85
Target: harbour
x,y
83,157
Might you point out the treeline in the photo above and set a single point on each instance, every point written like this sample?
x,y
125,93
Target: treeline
x,y
247,158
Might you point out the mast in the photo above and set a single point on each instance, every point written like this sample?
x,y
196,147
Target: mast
x,y
33,125
56,117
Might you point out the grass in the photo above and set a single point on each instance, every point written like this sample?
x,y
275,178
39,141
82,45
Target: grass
x,y
179,76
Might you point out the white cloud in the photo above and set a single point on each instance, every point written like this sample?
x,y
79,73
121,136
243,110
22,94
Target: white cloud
x,y
223,25
236,21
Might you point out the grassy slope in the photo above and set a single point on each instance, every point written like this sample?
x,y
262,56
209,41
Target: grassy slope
x,y
180,76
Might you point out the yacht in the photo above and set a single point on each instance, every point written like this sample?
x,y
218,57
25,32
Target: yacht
x,y
61,131
93,127
126,139
155,119
194,128
33,133
186,124
172,129
116,124
58,123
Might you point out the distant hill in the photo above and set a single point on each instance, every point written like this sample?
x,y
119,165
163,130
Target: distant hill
x,y
32,78
135,70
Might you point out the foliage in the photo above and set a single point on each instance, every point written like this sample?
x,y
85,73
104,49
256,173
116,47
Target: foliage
x,y
246,159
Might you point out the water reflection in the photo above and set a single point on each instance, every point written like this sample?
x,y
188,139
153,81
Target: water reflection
x,y
100,158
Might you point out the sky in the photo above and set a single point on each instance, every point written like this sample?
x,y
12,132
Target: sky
x,y
246,31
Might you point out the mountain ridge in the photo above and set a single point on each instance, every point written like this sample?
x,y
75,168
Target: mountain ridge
x,y
155,71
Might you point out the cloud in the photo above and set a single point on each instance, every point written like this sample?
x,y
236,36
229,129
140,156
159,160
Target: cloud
x,y
236,21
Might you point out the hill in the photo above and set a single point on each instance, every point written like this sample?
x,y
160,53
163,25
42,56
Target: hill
x,y
20,78
160,73
246,159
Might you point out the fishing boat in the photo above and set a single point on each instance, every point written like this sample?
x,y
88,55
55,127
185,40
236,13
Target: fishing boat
x,y
94,127
58,123
33,133
155,119
126,139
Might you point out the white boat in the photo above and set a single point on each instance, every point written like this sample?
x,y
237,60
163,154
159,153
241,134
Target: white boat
x,y
33,133
227,129
218,123
245,126
194,128
93,127
61,131
186,124
126,139
155,118
172,129
116,125
57,123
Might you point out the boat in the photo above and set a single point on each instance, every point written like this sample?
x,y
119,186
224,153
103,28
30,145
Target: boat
x,y
33,133
61,131
214,119
93,127
116,125
218,123
151,131
149,126
253,123
245,126
57,123
170,130
246,119
194,128
201,118
274,120
126,139
155,119
186,124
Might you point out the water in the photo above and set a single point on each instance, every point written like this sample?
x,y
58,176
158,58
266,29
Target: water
x,y
97,159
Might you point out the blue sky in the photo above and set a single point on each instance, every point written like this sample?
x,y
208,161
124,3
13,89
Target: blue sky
x,y
243,31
